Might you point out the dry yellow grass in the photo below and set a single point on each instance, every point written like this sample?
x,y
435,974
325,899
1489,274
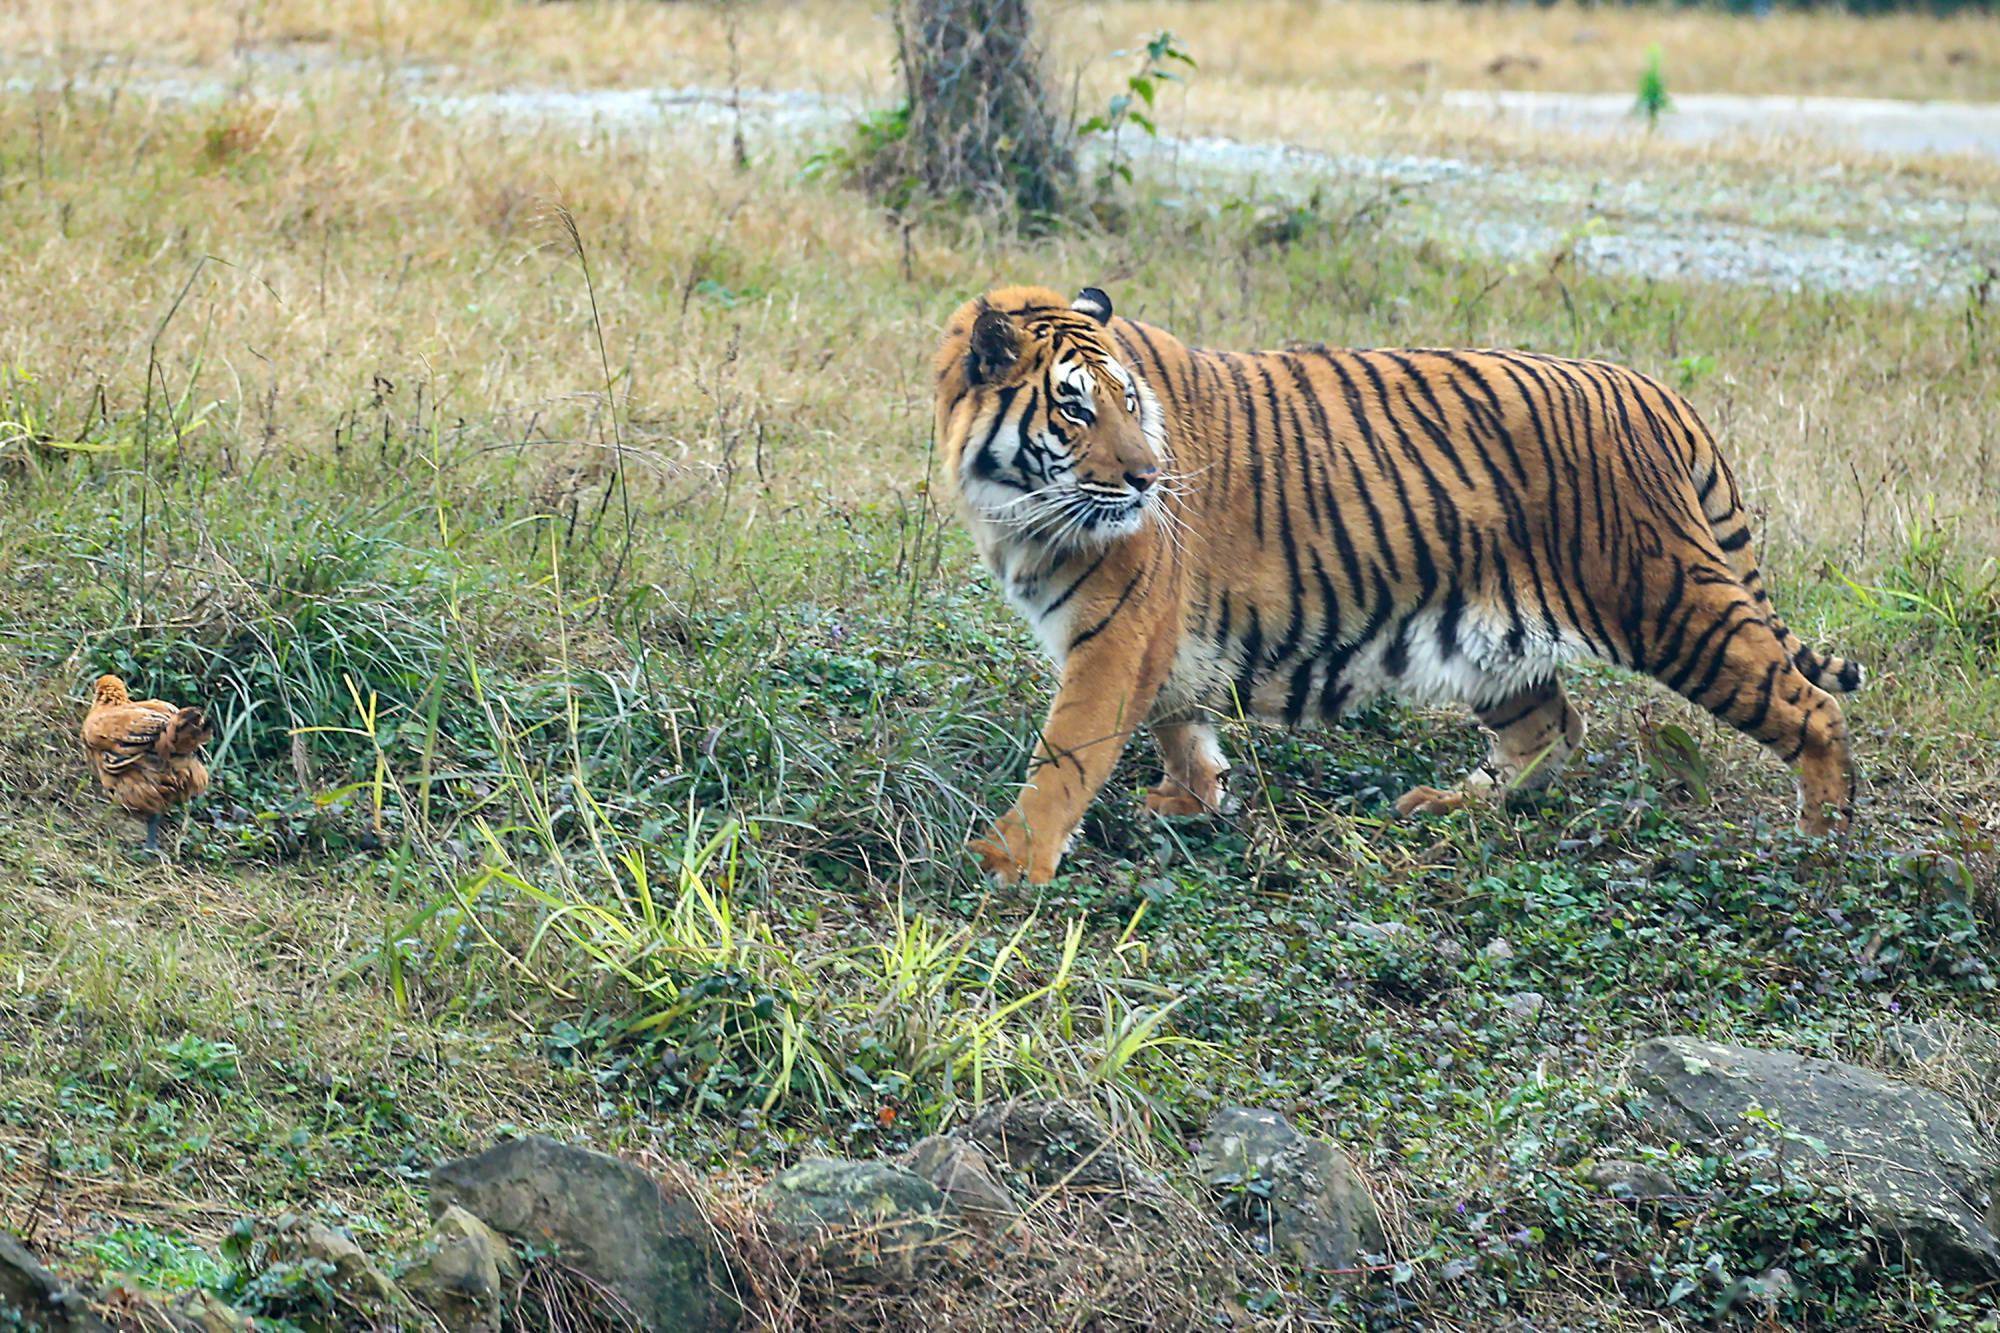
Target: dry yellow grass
x,y
1308,46
1368,45
384,244
1336,77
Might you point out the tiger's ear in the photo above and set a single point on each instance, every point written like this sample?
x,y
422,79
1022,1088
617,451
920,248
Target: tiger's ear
x,y
1093,302
995,346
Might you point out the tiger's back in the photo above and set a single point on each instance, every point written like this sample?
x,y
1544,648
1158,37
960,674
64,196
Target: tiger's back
x,y
1446,525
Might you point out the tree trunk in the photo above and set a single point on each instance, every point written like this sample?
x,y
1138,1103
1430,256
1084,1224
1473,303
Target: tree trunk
x,y
981,127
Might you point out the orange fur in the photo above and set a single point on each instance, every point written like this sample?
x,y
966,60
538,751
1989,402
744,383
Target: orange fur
x,y
1198,535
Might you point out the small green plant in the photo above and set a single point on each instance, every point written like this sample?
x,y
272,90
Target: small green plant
x,y
1933,588
1691,370
197,1061
164,1261
1653,101
1134,105
870,139
1673,756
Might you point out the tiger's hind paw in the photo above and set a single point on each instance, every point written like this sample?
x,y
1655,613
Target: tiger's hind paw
x,y
1172,801
1429,801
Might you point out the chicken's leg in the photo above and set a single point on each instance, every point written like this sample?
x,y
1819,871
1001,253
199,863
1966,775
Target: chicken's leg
x,y
152,843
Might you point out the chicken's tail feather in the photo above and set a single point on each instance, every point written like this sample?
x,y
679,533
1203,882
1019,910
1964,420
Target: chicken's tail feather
x,y
183,735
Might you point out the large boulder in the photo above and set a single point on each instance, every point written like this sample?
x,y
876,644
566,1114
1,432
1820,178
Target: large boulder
x,y
868,1218
460,1273
650,1245
1295,1195
1906,1158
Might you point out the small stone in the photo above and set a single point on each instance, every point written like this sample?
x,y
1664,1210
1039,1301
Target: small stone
x,y
1403,935
355,1279
1057,1145
872,1219
963,1173
1632,1180
1299,1193
1398,932
203,1312
461,1271
1497,950
1524,1004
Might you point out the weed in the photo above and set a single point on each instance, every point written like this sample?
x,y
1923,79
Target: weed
x,y
1653,101
1936,594
1133,105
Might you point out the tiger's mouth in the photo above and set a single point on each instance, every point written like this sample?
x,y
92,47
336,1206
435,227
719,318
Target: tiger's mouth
x,y
1067,518
1125,512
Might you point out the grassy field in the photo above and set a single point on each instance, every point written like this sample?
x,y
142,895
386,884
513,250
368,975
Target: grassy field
x,y
522,559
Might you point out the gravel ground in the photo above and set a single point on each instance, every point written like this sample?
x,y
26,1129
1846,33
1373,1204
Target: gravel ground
x,y
1872,125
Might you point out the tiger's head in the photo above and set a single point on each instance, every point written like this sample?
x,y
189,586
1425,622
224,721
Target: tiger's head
x,y
1053,440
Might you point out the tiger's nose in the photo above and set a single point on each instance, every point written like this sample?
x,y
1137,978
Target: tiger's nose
x,y
1142,481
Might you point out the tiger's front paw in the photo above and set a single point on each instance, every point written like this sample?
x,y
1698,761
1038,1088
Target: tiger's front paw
x,y
996,858
1010,856
1428,801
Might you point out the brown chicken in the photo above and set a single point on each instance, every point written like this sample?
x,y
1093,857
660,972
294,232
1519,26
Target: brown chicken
x,y
144,752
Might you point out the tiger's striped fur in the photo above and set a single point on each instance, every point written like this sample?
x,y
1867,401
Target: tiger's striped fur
x,y
1198,535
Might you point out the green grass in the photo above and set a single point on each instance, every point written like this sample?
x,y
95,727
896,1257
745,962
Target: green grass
x,y
648,835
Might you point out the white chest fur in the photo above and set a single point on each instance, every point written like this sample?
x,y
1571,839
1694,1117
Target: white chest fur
x,y
1031,578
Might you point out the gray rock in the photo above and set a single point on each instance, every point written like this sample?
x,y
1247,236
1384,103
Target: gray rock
x,y
1401,935
1906,1158
651,1246
1632,1180
1497,950
359,1285
201,1312
963,1173
1300,1194
38,1296
1057,1145
1525,1004
868,1217
461,1273
1382,932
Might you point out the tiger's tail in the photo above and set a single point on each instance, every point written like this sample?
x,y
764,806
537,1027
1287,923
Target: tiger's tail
x,y
1722,506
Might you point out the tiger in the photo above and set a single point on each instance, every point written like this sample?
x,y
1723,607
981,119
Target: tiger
x,y
1197,536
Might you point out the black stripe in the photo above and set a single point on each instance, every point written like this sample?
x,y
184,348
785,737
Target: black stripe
x,y
1070,591
1119,605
